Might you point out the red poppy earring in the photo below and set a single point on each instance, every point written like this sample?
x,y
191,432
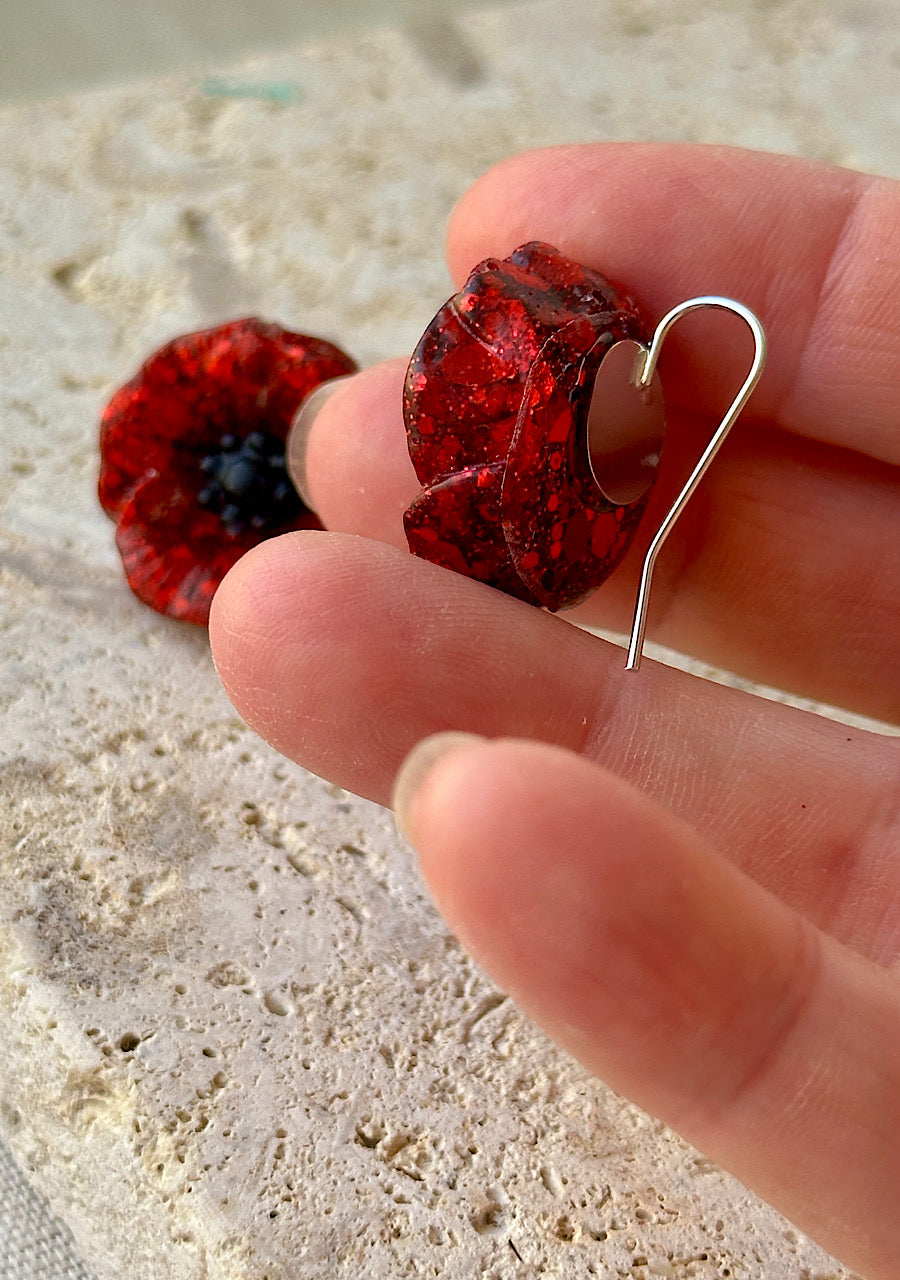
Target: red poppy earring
x,y
535,420
192,463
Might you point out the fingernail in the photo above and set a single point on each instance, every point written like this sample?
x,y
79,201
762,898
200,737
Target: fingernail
x,y
298,435
416,768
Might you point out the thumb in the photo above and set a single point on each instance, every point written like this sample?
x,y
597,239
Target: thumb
x,y
672,975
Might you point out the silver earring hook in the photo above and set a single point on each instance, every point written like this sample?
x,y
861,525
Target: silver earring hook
x,y
759,358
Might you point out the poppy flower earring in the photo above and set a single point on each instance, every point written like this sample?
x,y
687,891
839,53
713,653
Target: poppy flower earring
x,y
192,456
535,420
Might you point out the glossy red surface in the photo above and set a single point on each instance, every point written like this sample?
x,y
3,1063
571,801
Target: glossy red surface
x,y
496,404
242,377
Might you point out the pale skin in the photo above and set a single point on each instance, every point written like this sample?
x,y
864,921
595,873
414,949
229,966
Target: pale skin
x,y
694,890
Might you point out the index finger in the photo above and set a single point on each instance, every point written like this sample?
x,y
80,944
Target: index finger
x,y
813,250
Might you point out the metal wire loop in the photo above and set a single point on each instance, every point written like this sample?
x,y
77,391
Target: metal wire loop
x,y
636,644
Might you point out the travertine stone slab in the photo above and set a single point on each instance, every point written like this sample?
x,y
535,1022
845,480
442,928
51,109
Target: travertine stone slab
x,y
238,1041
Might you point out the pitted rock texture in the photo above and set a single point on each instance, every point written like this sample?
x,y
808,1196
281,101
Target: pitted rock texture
x,y
238,1042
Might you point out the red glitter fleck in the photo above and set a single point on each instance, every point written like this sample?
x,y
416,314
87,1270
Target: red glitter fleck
x,y
496,406
165,429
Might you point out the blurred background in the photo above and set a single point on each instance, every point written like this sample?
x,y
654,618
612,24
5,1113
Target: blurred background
x,y
49,47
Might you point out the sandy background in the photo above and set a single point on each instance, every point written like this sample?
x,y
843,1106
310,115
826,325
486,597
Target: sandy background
x,y
60,46
351,1097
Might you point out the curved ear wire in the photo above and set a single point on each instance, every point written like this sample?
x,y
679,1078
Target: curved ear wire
x,y
759,357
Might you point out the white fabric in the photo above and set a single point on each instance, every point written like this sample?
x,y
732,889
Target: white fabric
x,y
33,1244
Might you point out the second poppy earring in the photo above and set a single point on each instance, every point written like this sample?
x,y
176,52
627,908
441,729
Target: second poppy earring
x,y
535,420
192,465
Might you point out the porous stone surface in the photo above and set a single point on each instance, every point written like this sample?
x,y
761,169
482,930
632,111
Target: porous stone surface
x,y
238,1041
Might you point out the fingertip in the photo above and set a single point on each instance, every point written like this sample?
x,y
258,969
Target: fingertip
x,y
304,637
351,455
233,611
257,621
607,918
418,770
296,446
240,619
485,816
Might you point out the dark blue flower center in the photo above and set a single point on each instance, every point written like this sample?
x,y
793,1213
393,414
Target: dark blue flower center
x,y
247,484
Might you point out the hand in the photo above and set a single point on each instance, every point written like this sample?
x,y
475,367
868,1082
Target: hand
x,y
695,891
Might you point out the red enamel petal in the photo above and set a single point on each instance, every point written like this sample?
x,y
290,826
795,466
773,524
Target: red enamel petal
x,y
467,374
175,553
454,524
243,376
564,536
539,321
